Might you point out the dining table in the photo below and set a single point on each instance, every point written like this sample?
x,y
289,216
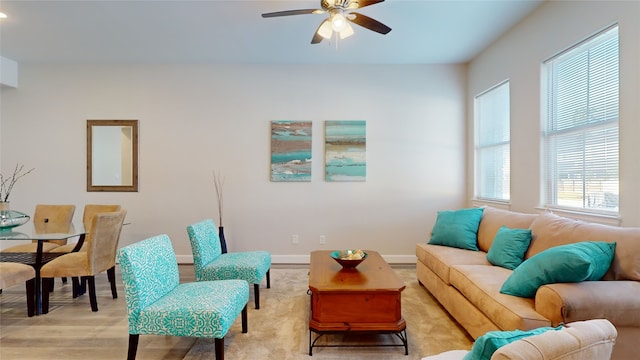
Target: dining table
x,y
40,233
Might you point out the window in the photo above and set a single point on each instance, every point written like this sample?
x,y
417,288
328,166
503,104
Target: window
x,y
492,145
580,131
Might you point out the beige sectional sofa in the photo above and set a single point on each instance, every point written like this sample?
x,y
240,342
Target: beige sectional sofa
x,y
468,285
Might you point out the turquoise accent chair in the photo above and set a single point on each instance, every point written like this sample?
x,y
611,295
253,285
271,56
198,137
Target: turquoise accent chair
x,y
157,304
211,264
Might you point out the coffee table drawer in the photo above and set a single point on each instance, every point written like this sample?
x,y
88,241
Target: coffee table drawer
x,y
356,309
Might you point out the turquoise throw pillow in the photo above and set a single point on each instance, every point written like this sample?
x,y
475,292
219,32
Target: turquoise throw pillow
x,y
508,247
458,228
582,261
487,344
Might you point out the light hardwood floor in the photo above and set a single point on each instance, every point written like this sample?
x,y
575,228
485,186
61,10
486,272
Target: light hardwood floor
x,y
72,331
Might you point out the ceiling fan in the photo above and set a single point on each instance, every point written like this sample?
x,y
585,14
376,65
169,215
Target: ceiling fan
x,y
340,14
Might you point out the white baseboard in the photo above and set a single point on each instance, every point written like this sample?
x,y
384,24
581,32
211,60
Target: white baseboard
x,y
304,259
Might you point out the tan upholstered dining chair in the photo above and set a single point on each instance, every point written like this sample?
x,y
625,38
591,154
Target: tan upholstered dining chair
x,y
90,210
57,215
15,273
100,256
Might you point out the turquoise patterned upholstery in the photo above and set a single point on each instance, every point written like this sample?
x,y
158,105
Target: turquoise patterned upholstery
x,y
211,264
158,304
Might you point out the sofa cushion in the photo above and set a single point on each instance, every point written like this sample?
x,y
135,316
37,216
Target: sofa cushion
x,y
439,259
508,247
480,284
487,344
582,261
550,230
493,219
457,228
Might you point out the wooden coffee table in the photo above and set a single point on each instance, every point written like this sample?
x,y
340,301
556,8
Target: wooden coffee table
x,y
364,299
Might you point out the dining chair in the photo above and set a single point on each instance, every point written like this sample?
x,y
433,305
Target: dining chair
x,y
51,215
100,256
15,273
157,304
90,210
211,264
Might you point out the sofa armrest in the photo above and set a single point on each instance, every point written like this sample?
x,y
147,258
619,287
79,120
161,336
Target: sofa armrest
x,y
592,339
616,301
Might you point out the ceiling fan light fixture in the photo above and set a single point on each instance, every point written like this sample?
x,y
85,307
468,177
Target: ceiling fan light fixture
x,y
338,22
346,32
325,30
339,17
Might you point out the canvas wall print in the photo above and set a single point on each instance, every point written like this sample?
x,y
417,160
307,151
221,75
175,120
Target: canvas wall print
x,y
345,150
291,151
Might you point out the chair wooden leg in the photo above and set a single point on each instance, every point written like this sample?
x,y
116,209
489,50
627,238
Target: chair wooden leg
x,y
92,292
269,278
256,293
111,274
31,296
75,283
219,349
46,286
133,346
245,327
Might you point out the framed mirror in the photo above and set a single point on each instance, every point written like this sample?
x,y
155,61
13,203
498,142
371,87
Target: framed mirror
x,y
112,155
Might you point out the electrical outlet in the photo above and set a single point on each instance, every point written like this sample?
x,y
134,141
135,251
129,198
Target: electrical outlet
x,y
323,239
295,239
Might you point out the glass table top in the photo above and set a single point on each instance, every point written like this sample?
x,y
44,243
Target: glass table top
x,y
43,231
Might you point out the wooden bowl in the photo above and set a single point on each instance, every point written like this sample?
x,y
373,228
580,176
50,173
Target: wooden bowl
x,y
346,264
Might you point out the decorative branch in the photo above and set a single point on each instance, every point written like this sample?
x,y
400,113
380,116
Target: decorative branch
x,y
7,183
218,182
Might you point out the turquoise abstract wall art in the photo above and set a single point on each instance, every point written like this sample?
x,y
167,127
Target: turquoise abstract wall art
x,y
291,150
345,150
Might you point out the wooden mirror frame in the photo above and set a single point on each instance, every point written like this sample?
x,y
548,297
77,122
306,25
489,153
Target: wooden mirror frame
x,y
134,148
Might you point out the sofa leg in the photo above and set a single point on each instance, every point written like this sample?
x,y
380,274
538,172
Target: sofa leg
x,y
269,278
219,349
256,293
244,320
133,346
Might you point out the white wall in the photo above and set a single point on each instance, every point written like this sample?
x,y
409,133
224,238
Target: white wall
x,y
198,118
518,55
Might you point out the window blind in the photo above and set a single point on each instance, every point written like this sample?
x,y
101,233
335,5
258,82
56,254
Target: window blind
x,y
492,145
580,137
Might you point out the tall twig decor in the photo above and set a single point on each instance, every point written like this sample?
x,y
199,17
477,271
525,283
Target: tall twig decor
x,y
218,182
7,183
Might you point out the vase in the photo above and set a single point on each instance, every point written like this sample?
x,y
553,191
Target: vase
x,y
223,242
10,219
4,207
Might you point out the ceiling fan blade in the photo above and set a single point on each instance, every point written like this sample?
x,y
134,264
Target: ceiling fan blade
x,y
358,4
368,23
290,12
316,38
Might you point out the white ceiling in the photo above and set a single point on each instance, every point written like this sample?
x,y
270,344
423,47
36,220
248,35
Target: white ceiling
x,y
232,31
